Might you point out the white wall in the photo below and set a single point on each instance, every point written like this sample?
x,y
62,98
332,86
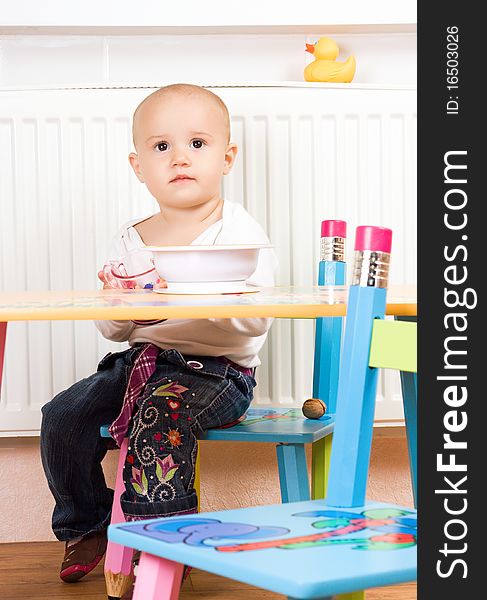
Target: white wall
x,y
140,60
207,13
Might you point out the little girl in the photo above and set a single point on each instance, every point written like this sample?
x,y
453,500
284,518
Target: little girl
x,y
179,377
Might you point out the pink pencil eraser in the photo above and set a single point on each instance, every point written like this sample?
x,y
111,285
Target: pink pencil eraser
x,y
368,237
333,228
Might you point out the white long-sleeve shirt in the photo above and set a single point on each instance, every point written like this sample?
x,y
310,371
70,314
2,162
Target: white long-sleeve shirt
x,y
238,339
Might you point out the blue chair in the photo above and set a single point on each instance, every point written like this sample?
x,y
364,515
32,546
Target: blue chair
x,y
313,549
287,427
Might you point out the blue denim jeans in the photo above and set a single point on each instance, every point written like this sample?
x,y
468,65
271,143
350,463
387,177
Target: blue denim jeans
x,y
183,398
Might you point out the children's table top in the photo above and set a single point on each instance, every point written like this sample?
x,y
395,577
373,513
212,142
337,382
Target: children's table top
x,y
281,302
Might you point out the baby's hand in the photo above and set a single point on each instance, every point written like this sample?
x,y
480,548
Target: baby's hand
x,y
161,284
103,279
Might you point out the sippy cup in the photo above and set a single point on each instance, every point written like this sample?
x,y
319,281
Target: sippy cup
x,y
134,270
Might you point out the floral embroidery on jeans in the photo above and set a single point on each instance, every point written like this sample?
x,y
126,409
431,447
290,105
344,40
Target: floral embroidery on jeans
x,y
174,438
163,490
146,418
154,485
172,389
174,408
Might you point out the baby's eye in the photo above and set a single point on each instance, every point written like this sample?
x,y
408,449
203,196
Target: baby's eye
x,y
162,146
197,144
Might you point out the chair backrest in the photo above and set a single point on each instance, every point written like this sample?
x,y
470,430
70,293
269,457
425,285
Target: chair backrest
x,y
357,385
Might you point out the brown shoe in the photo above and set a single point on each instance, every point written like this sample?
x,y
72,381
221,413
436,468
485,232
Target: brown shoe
x,y
82,556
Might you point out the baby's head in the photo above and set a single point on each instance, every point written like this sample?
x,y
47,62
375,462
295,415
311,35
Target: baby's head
x,y
181,135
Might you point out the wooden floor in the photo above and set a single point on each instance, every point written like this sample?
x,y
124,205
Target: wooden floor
x,y
31,571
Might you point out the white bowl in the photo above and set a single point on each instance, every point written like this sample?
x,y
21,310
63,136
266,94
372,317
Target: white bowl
x,y
206,264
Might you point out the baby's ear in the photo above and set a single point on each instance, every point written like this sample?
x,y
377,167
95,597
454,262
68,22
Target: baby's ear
x,y
230,154
134,163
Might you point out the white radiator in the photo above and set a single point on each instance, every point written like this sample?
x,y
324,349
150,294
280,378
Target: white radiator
x,y
306,153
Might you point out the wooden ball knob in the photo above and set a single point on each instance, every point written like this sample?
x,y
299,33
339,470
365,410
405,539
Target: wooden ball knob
x,y
314,408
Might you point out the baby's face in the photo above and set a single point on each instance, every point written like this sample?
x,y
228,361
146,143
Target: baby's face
x,y
182,149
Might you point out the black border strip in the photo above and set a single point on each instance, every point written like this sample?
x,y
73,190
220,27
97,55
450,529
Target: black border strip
x,y
450,548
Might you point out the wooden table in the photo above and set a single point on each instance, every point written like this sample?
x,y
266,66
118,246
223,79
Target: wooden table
x,y
281,302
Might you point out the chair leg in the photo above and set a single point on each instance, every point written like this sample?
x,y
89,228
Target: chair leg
x,y
118,559
293,472
409,395
321,451
409,387
197,480
157,578
3,339
320,464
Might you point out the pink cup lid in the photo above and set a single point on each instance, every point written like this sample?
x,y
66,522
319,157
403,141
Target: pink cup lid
x,y
369,237
333,228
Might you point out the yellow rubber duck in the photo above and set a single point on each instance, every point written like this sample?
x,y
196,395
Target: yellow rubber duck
x,y
325,67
